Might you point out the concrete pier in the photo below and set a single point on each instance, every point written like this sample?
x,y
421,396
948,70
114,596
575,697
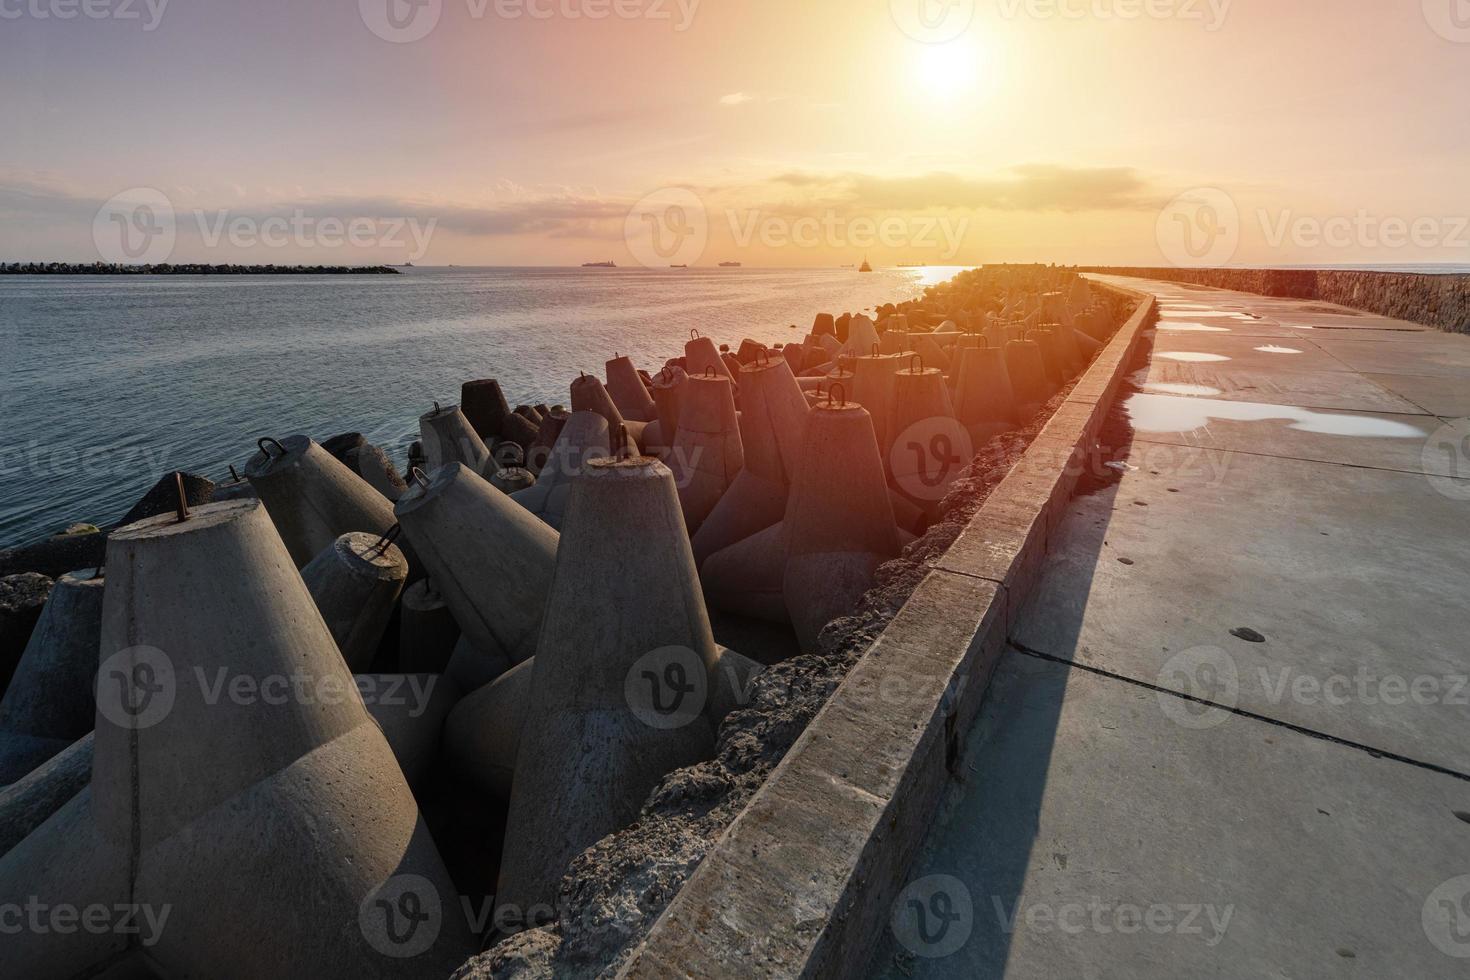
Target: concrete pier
x,y
1224,738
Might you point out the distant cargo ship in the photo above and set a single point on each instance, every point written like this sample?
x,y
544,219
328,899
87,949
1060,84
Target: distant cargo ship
x,y
729,265
600,265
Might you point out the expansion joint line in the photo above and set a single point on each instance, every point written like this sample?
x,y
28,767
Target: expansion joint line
x,y
1267,719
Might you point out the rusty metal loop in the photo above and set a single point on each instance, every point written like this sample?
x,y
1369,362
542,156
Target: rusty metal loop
x,y
260,443
437,409
183,501
709,373
388,538
234,474
617,441
763,356
693,334
832,394
418,476
877,350
912,359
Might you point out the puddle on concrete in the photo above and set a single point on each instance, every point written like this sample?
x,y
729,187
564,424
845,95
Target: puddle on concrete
x,y
1172,413
1173,388
1273,349
1220,315
1181,326
1190,356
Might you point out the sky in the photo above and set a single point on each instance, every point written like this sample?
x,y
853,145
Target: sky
x,y
769,132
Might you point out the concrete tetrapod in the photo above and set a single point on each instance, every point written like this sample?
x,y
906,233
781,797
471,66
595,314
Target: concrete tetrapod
x,y
701,355
49,704
29,801
483,732
930,446
537,453
225,804
448,438
872,387
583,439
427,632
984,401
410,709
771,430
707,453
862,337
485,406
589,395
839,523
1053,360
668,397
626,389
616,695
1028,376
490,558
312,498
356,584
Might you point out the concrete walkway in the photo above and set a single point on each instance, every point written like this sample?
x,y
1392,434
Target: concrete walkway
x,y
1231,737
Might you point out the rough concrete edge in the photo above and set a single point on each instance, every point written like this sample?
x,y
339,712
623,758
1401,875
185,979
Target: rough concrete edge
x,y
801,883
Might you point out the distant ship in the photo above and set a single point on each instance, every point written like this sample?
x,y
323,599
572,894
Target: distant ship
x,y
600,265
865,267
678,267
729,265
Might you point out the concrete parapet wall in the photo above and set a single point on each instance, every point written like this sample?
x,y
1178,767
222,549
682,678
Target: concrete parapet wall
x,y
802,883
1442,302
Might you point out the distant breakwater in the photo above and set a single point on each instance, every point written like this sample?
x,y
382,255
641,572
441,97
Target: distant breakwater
x,y
188,269
1439,301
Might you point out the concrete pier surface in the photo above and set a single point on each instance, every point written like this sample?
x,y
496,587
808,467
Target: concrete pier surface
x,y
1230,735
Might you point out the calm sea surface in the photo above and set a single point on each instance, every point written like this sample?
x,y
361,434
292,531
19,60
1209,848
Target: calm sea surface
x,y
106,383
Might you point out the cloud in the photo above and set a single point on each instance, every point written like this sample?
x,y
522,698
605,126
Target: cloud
x,y
736,98
1027,187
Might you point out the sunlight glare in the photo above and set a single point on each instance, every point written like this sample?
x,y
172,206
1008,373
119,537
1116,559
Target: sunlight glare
x,y
947,71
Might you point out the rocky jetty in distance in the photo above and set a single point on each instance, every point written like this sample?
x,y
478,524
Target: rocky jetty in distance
x,y
187,269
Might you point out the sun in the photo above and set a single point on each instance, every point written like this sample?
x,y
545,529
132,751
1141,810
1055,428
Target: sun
x,y
945,72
